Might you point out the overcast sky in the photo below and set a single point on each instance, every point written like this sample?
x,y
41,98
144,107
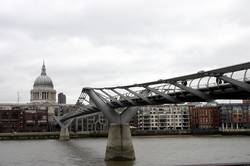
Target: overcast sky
x,y
96,43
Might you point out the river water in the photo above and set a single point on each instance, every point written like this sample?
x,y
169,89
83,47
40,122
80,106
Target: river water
x,y
150,151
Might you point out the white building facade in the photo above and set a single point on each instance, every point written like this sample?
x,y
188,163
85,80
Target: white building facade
x,y
163,117
94,123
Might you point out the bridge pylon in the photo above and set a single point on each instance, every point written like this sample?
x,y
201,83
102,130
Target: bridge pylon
x,y
119,146
64,132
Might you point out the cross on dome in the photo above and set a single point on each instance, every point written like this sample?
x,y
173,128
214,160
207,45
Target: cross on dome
x,y
43,69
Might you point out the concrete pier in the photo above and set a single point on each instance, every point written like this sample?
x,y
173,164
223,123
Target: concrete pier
x,y
119,146
64,134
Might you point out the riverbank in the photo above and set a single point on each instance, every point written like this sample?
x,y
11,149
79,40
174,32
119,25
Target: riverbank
x,y
46,135
55,135
29,135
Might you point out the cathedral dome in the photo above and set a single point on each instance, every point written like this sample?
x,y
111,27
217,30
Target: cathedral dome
x,y
43,81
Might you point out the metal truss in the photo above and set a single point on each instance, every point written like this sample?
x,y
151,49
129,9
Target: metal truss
x,y
231,82
225,83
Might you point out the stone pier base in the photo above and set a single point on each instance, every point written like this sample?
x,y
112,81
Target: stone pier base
x,y
64,134
119,146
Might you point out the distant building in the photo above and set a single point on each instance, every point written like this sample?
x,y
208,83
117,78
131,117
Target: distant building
x,y
43,94
94,123
10,119
43,89
204,117
157,118
162,117
61,98
247,101
23,118
38,114
198,118
35,119
235,117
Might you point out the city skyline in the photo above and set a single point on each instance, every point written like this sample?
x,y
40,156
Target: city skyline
x,y
96,44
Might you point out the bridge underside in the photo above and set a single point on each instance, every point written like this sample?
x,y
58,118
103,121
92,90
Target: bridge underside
x,y
217,93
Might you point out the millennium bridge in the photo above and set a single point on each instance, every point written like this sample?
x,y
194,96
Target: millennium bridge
x,y
118,104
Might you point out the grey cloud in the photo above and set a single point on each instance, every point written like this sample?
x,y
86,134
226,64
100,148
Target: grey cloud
x,y
105,43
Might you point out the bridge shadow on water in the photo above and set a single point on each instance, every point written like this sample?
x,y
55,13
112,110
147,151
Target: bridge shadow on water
x,y
85,156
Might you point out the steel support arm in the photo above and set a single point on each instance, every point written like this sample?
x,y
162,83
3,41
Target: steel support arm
x,y
128,114
237,83
63,124
166,96
105,100
126,98
194,92
105,108
112,98
140,96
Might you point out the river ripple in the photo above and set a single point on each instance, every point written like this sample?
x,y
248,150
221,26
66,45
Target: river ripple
x,y
162,151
